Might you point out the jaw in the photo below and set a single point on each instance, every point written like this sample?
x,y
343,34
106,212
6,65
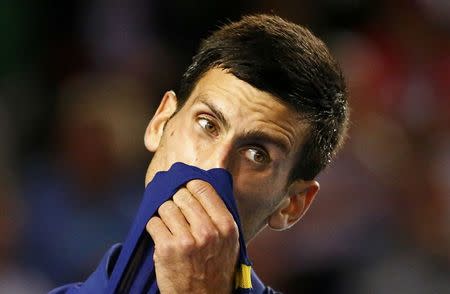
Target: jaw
x,y
251,234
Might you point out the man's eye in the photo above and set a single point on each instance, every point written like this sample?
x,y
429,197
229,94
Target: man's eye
x,y
256,155
208,126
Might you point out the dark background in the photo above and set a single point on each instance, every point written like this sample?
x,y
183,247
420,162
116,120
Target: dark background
x,y
79,81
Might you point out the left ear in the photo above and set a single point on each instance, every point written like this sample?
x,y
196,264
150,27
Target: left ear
x,y
155,128
296,202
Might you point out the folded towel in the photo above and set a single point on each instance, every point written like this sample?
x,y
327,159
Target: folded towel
x,y
134,270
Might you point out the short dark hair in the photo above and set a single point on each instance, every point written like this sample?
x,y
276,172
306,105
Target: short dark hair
x,y
289,62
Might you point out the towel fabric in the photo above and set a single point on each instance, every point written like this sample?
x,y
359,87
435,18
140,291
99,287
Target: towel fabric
x,y
129,268
134,271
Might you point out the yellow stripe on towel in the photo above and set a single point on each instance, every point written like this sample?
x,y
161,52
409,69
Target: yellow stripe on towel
x,y
244,277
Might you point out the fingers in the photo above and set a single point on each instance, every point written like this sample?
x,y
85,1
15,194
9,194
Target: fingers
x,y
195,213
207,196
167,246
196,242
202,227
158,230
213,206
173,218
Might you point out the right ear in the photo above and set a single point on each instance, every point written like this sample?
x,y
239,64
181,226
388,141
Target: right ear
x,y
155,128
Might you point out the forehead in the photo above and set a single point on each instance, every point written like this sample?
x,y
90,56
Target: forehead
x,y
246,106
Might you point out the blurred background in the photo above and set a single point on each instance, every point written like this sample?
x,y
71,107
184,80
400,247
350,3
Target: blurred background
x,y
79,81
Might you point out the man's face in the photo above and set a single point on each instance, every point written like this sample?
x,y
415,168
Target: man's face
x,y
227,123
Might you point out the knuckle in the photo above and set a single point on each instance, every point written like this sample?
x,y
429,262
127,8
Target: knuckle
x,y
229,228
208,236
186,244
164,249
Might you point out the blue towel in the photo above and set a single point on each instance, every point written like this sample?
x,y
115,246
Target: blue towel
x,y
134,270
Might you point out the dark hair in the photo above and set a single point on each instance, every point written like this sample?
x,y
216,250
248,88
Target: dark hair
x,y
289,62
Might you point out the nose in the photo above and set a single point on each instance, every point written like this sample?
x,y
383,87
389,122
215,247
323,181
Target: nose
x,y
218,156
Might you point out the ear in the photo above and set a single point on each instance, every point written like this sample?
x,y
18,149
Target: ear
x,y
294,205
155,128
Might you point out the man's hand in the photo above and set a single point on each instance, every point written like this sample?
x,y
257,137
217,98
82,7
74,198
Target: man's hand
x,y
196,242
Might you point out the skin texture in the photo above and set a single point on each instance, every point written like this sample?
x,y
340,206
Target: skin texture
x,y
229,124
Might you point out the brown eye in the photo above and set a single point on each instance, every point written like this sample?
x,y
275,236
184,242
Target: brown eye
x,y
256,155
208,126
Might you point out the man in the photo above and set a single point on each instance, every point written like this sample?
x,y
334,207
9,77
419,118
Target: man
x,y
264,100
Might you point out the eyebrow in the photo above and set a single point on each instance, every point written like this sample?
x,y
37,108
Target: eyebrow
x,y
251,135
217,112
261,136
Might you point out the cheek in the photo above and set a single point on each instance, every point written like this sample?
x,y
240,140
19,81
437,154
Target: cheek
x,y
257,185
181,145
256,193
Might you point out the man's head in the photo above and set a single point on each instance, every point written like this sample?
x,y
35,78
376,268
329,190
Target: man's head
x,y
264,99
